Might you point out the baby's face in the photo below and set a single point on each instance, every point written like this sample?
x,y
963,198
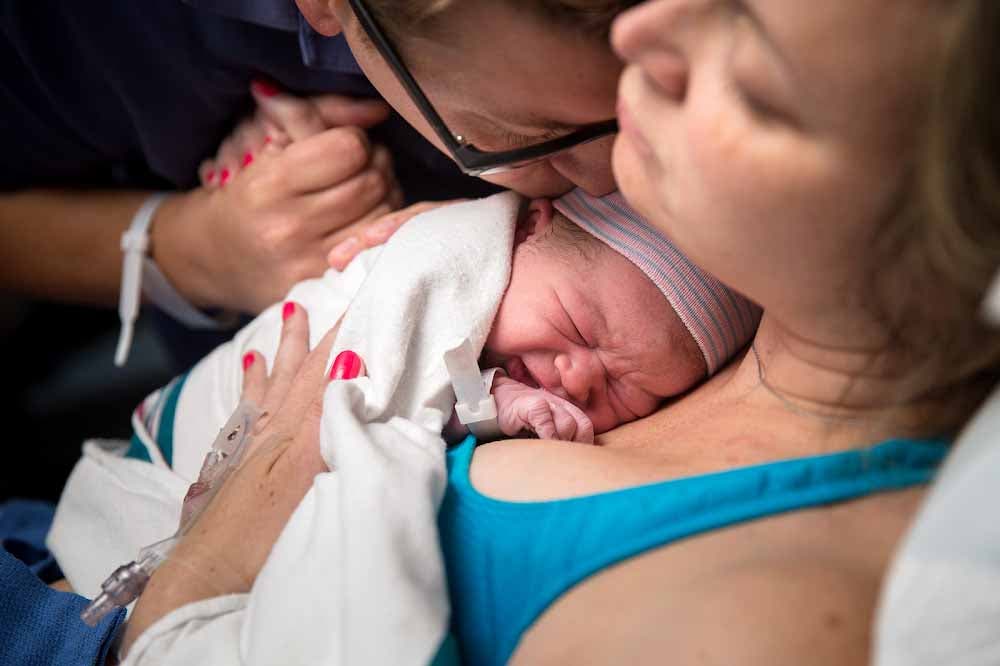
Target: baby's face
x,y
589,327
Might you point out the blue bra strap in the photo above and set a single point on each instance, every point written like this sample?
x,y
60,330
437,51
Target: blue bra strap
x,y
508,561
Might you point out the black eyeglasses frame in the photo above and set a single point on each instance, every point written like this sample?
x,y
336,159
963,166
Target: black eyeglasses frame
x,y
471,160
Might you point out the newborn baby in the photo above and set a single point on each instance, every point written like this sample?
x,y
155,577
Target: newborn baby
x,y
601,320
584,339
593,317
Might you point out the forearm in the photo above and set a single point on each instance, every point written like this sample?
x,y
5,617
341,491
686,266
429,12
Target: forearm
x,y
172,586
64,245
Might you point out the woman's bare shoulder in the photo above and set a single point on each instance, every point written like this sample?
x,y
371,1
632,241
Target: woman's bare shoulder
x,y
634,454
537,470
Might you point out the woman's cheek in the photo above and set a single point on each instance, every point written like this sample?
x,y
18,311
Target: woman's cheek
x,y
723,158
747,171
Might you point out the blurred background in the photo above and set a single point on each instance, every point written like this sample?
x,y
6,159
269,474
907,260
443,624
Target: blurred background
x,y
61,387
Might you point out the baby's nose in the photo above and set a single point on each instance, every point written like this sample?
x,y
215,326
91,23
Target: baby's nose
x,y
576,374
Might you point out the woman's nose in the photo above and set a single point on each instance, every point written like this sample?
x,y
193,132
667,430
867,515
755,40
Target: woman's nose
x,y
650,36
650,24
576,375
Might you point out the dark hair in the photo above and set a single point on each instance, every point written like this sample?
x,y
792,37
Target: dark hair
x,y
564,239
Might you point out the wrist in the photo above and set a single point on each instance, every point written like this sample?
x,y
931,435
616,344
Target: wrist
x,y
177,246
181,580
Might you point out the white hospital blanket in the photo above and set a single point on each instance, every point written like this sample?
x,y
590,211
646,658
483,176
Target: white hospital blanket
x,y
356,576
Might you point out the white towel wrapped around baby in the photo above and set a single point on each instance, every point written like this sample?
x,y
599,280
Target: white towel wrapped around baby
x,y
361,551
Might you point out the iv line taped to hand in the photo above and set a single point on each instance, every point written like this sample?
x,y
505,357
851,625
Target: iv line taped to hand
x,y
127,582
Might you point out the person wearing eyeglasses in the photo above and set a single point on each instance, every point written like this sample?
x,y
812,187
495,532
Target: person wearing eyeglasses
x,y
108,104
144,95
836,162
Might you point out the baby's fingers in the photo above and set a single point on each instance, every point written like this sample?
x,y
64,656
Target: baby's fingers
x,y
540,419
572,424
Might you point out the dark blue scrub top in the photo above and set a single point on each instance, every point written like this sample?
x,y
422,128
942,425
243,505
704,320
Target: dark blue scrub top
x,y
39,625
118,93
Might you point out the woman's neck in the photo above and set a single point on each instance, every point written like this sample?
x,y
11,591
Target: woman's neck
x,y
848,380
841,395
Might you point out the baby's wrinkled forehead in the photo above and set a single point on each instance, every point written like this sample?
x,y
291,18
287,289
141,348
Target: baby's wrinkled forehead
x,y
719,320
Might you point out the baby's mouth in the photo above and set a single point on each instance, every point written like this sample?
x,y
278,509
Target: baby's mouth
x,y
518,371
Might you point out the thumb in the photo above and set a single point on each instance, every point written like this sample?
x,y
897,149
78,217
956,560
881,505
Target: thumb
x,y
337,110
296,116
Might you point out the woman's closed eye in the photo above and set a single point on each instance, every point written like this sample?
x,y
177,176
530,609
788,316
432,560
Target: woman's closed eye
x,y
485,134
513,140
761,108
753,76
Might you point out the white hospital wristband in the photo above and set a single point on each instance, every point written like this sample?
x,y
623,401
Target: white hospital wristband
x,y
140,274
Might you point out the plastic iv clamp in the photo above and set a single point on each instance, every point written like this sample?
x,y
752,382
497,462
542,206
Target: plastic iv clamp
x,y
475,407
128,581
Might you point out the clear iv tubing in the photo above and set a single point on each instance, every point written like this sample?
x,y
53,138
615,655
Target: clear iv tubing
x,y
127,582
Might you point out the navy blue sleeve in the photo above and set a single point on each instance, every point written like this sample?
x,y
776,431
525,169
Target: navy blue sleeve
x,y
39,625
120,93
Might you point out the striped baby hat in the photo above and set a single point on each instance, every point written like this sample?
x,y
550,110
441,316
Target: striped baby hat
x,y
721,321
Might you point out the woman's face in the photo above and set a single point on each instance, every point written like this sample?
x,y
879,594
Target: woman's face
x,y
507,80
769,137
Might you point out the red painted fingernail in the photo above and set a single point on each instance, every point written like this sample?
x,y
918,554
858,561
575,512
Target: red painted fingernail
x,y
288,310
210,176
264,88
247,159
347,365
248,360
224,176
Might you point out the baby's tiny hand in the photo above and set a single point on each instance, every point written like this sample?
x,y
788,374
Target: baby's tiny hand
x,y
521,407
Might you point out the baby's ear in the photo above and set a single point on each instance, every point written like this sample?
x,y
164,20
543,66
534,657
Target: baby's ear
x,y
535,220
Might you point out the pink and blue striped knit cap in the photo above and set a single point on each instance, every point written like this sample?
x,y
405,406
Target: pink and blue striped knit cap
x,y
721,321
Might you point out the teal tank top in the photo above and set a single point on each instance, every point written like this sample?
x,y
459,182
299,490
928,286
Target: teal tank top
x,y
508,561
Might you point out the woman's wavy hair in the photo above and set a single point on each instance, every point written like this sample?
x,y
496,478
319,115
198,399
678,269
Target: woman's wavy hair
x,y
946,242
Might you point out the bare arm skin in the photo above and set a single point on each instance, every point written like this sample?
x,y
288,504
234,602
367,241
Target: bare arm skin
x,y
239,247
64,245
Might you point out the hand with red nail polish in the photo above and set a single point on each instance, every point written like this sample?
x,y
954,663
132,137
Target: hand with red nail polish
x,y
291,182
347,365
260,496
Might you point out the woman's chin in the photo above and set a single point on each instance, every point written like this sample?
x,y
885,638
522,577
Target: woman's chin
x,y
632,172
